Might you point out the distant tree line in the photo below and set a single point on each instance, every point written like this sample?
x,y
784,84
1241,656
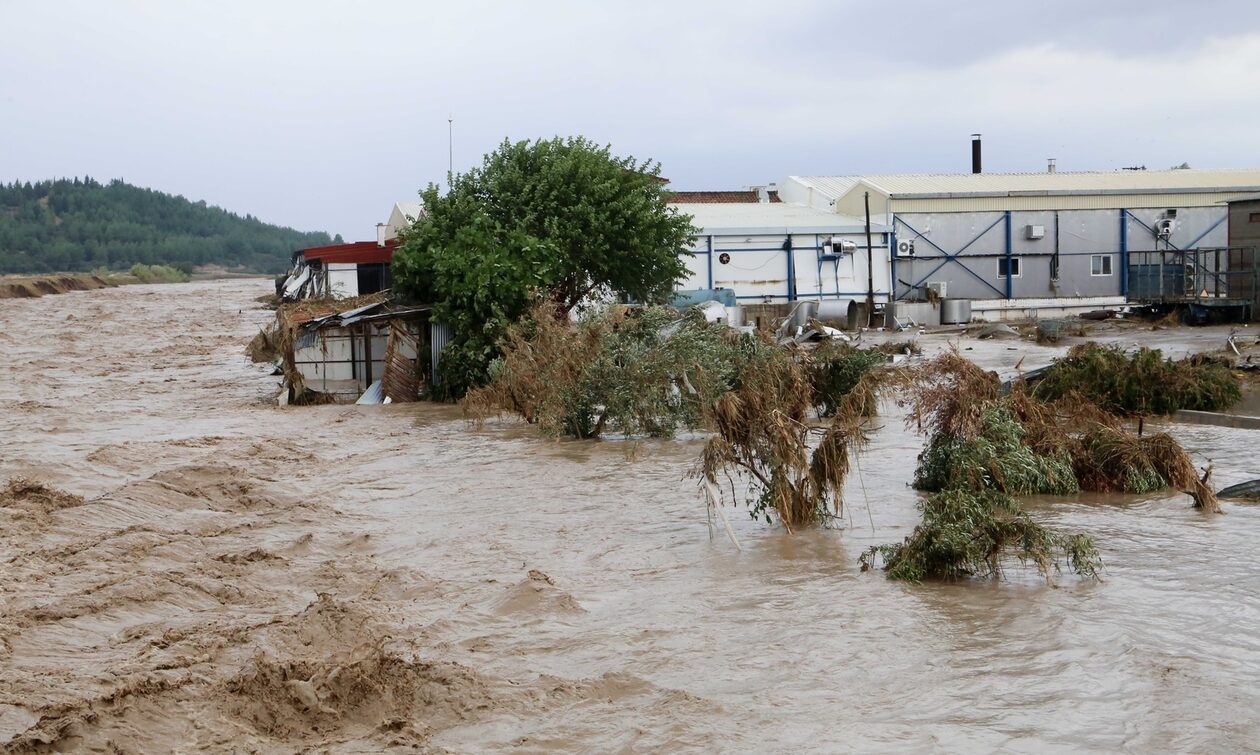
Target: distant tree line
x,y
81,224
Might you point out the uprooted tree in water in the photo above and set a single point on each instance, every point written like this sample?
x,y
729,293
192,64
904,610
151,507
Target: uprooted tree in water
x,y
984,447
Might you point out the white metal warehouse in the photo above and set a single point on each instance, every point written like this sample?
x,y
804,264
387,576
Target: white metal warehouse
x,y
774,252
1029,243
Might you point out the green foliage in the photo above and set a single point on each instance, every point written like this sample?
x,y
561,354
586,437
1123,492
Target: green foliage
x,y
1144,383
996,458
80,225
633,373
968,533
563,219
157,273
835,370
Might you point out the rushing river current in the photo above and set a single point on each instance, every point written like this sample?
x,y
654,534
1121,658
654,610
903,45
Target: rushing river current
x,y
238,576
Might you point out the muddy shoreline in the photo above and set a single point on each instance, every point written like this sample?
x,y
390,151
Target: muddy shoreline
x,y
228,575
33,286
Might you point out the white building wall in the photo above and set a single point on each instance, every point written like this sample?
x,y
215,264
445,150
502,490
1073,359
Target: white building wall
x,y
343,280
757,267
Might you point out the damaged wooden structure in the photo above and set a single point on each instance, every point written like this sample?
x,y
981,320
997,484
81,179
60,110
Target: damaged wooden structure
x,y
369,353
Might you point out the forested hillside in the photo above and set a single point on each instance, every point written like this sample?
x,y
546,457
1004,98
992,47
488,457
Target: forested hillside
x,y
80,224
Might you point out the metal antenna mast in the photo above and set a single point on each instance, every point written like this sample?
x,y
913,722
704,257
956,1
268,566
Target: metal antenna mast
x,y
450,146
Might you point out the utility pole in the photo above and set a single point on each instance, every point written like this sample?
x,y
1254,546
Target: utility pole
x,y
870,266
450,147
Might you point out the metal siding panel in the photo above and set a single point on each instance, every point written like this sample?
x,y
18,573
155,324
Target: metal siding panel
x,y
439,335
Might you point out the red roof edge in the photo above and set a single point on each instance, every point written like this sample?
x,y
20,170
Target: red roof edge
x,y
359,252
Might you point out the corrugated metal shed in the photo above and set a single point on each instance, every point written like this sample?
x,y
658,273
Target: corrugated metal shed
x,y
769,218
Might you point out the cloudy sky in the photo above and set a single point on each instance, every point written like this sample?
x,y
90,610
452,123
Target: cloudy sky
x,y
319,115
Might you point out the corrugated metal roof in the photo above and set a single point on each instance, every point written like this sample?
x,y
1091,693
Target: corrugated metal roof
x,y
962,185
771,217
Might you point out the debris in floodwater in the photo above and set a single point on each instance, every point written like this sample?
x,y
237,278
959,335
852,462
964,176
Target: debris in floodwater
x,y
1144,383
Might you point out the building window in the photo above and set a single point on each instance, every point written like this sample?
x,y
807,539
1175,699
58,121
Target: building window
x,y
1254,217
373,277
1100,264
1013,270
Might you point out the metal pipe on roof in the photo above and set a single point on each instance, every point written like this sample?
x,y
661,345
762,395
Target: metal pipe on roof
x,y
975,153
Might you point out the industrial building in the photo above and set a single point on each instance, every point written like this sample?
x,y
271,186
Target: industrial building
x,y
1030,244
770,252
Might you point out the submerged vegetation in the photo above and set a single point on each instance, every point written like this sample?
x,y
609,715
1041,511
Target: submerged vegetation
x,y
641,372
984,447
651,372
967,533
764,435
1144,383
786,423
835,370
995,458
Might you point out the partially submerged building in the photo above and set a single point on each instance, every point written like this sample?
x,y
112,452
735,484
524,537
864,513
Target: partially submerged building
x,y
341,338
341,354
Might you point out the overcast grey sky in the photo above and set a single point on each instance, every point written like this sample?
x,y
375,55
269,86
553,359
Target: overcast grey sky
x,y
320,115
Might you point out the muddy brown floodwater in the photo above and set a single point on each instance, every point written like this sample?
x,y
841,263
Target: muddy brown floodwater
x,y
222,574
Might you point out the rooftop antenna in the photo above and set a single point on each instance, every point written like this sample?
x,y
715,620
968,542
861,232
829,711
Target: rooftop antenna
x,y
450,146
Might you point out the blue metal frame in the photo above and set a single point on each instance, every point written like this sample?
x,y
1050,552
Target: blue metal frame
x,y
710,261
1009,276
954,257
1124,252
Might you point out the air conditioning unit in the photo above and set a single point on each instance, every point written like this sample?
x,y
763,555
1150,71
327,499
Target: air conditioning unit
x,y
905,248
1164,227
1034,232
938,287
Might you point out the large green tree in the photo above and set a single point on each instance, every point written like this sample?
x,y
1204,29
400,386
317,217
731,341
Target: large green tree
x,y
562,219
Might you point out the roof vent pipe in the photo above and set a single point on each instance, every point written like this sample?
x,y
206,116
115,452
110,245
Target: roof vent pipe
x,y
975,153
380,234
1050,168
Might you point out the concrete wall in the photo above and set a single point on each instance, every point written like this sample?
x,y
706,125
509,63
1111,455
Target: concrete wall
x,y
757,269
979,240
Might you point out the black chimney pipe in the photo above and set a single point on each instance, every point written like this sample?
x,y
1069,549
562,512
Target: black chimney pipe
x,y
975,153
